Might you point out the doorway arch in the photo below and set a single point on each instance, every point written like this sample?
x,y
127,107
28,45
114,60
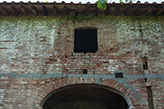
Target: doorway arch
x,y
85,96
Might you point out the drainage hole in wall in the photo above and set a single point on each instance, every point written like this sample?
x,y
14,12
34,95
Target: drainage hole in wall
x,y
119,75
84,71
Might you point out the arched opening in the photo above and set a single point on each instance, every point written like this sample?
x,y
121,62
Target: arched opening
x,y
84,96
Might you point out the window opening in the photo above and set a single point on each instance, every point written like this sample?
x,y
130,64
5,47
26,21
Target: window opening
x,y
85,40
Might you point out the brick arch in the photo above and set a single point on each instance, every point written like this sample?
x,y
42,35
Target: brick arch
x,y
112,85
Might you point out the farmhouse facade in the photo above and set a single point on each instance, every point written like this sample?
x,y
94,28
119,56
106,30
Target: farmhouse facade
x,y
76,56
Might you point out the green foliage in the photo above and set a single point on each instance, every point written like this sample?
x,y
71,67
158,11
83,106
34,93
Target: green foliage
x,y
121,2
101,4
129,1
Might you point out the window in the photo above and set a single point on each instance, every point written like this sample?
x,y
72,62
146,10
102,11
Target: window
x,y
85,40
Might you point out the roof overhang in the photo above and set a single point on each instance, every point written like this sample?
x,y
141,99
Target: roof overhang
x,y
45,9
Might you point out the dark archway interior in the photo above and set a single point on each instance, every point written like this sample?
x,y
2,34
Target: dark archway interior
x,y
85,97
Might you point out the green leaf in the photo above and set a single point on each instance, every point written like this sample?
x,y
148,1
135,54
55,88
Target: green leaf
x,y
101,4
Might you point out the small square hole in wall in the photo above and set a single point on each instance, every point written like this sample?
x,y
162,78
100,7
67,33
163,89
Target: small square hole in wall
x,y
85,71
119,75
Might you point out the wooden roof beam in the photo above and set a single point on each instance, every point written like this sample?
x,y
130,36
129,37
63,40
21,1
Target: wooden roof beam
x,y
76,11
66,10
44,10
137,12
55,10
72,12
127,11
24,10
117,10
86,12
149,10
107,10
34,10
96,11
14,11
159,10
4,11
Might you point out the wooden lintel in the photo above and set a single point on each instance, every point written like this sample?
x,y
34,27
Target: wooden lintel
x,y
14,11
4,11
137,12
148,11
159,10
34,10
117,10
55,9
24,10
44,10
107,10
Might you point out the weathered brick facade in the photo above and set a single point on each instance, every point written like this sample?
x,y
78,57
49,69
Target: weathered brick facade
x,y
37,56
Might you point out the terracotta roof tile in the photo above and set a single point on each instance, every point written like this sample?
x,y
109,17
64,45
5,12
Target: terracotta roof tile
x,y
53,8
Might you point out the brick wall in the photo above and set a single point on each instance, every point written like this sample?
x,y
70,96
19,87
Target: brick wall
x,y
36,53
